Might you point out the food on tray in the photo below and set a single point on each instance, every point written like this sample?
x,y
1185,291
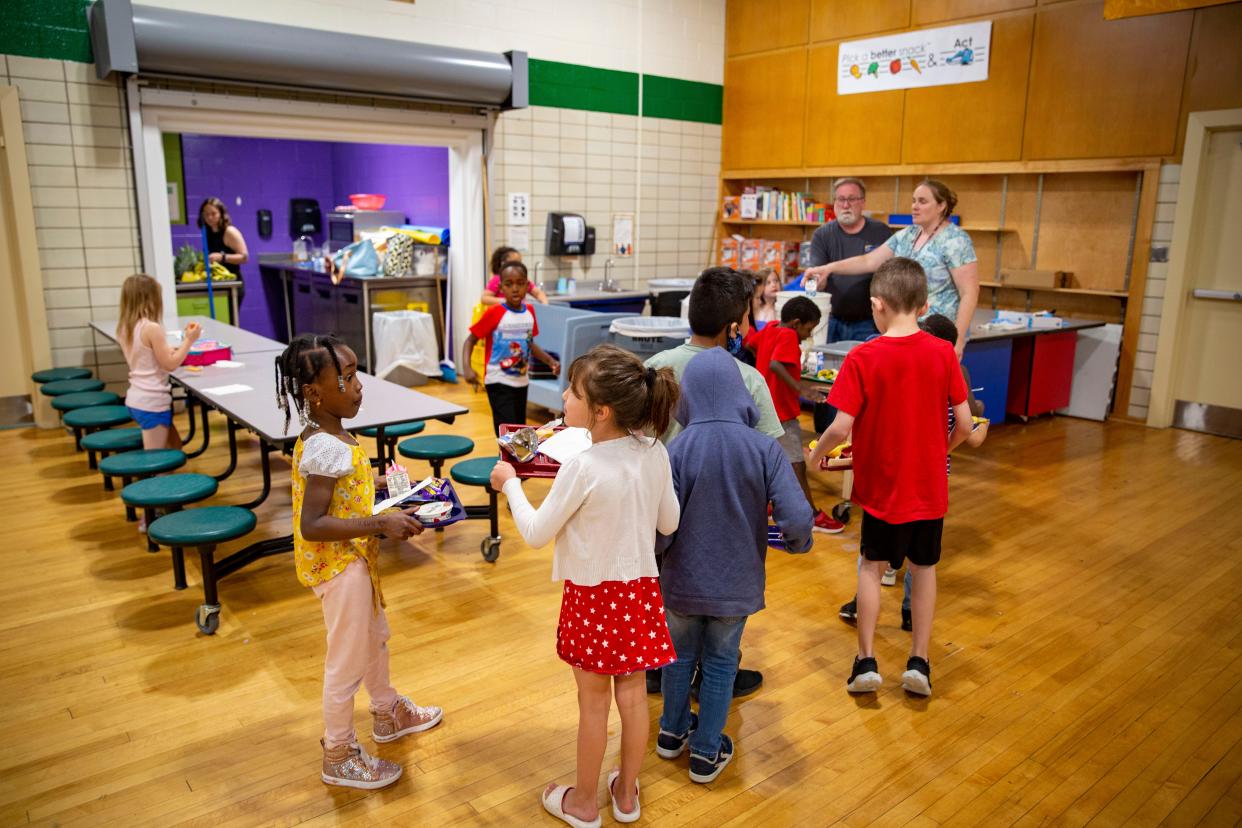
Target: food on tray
x,y
433,511
522,444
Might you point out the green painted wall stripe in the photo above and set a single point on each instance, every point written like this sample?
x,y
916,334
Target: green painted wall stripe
x,y
174,172
570,86
53,29
682,100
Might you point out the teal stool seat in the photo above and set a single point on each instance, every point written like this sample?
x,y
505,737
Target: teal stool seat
x,y
54,374
475,472
435,449
110,440
99,416
84,399
142,463
70,386
169,490
387,452
206,525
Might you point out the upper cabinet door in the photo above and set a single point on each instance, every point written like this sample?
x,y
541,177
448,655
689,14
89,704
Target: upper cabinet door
x,y
927,12
837,20
763,25
1104,88
848,129
764,97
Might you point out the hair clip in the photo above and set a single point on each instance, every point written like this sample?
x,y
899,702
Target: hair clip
x,y
340,382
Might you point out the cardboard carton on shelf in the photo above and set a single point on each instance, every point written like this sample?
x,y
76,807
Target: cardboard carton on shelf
x,y
1034,279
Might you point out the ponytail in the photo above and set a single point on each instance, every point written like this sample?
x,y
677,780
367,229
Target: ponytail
x,y
662,393
641,398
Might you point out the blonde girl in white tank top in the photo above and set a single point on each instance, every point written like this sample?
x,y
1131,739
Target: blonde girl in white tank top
x,y
150,360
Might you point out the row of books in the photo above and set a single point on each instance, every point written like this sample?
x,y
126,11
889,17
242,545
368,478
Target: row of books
x,y
788,258
766,204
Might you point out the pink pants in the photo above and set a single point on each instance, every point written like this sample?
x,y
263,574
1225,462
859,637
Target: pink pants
x,y
357,652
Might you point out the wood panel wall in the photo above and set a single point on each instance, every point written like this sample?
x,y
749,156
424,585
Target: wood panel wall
x,y
1064,84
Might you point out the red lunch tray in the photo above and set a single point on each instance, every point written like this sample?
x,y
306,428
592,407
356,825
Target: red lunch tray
x,y
541,466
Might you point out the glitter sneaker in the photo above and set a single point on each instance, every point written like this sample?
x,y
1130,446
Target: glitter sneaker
x,y
352,767
406,718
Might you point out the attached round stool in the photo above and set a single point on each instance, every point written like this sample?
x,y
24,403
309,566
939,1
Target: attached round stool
x,y
203,528
478,472
109,441
84,399
134,465
169,493
435,449
386,452
55,374
71,386
96,417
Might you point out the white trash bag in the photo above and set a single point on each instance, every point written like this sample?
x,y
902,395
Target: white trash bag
x,y
405,347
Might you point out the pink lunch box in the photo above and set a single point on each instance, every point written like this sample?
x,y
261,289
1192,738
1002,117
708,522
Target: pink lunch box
x,y
208,351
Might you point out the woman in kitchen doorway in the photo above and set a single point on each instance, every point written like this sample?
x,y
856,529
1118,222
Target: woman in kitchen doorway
x,y
225,243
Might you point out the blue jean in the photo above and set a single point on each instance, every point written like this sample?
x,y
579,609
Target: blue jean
x,y
907,584
713,642
839,329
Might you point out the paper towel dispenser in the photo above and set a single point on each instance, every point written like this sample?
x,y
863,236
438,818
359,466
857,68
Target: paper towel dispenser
x,y
569,235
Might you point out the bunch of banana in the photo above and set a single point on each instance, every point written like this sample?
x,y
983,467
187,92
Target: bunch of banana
x,y
199,274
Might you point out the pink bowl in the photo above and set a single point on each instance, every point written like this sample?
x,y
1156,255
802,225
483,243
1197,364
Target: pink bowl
x,y
368,201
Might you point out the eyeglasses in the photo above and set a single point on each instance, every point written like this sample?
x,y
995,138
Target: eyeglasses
x,y
850,199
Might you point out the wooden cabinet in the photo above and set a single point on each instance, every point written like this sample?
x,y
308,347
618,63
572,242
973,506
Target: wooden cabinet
x,y
1214,71
928,12
764,96
762,25
836,20
847,129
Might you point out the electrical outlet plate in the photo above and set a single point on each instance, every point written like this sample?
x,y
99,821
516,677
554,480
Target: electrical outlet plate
x,y
519,208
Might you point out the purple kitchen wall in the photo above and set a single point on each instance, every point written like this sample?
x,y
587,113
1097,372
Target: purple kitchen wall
x,y
415,179
264,173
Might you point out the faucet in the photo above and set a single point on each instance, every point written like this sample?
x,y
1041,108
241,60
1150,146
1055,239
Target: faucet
x,y
608,284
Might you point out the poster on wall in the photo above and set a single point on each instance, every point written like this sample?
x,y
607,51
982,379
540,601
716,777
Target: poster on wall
x,y
929,57
519,237
623,234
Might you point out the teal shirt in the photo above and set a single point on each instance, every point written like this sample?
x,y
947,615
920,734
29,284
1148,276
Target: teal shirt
x,y
948,250
677,358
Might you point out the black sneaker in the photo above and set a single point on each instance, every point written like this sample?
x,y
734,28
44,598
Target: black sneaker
x,y
653,682
917,677
906,623
849,612
865,677
670,745
746,682
704,770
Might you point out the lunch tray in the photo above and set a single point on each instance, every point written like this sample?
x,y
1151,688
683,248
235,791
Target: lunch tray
x,y
540,466
458,513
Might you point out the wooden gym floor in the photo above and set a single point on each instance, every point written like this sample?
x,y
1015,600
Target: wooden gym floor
x,y
1087,660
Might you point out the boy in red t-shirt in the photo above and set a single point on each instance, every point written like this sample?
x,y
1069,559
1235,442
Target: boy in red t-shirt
x,y
510,330
891,392
778,356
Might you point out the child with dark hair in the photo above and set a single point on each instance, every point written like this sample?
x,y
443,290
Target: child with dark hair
x,y
892,393
778,355
604,510
509,329
336,553
492,294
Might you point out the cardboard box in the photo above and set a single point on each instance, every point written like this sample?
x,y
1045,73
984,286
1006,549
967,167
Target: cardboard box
x,y
750,254
728,252
731,208
1036,279
773,255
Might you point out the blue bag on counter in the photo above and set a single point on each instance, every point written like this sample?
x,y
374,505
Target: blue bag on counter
x,y
359,260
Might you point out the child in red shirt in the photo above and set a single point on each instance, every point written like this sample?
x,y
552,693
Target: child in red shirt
x,y
778,356
891,392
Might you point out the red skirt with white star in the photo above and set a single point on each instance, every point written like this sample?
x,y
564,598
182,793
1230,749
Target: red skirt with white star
x,y
614,628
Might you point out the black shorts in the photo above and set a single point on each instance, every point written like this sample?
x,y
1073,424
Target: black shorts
x,y
918,540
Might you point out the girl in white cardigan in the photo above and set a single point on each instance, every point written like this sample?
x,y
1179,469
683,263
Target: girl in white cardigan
x,y
603,511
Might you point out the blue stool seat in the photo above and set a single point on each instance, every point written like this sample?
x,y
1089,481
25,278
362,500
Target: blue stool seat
x,y
100,416
475,472
54,374
70,386
143,463
204,526
110,440
169,490
394,430
436,447
83,399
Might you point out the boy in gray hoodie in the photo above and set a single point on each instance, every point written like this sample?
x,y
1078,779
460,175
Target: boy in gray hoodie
x,y
712,576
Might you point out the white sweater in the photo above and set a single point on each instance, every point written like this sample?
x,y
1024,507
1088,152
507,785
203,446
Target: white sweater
x,y
604,510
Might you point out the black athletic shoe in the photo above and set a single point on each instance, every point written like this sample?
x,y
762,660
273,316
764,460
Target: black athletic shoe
x,y
849,612
865,677
906,623
670,745
704,769
917,677
746,682
653,682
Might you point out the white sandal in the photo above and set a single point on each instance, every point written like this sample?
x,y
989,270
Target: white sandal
x,y
554,804
617,813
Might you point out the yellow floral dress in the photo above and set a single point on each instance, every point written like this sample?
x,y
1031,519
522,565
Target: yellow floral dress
x,y
353,497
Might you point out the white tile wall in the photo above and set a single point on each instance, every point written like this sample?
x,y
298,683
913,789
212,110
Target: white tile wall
x,y
668,182
1157,274
82,188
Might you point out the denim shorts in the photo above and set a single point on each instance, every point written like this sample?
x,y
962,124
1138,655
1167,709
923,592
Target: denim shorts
x,y
151,419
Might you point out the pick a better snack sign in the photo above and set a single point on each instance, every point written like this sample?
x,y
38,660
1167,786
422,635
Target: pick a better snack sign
x,y
929,57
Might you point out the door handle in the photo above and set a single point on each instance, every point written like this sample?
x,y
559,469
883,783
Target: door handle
x,y
1224,295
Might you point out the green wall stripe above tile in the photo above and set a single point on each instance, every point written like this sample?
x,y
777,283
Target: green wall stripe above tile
x,y
54,29
570,86
682,100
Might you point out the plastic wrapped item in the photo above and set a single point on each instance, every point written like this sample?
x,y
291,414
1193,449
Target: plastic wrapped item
x,y
522,444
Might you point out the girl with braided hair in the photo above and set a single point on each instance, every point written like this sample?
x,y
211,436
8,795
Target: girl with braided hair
x,y
336,550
